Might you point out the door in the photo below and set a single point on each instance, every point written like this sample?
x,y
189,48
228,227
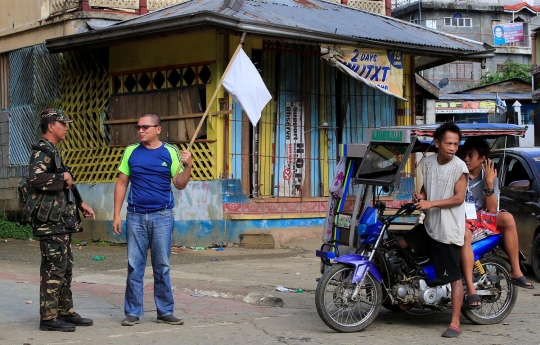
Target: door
x,y
519,202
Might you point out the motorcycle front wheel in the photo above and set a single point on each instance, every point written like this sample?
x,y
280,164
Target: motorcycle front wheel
x,y
336,305
499,304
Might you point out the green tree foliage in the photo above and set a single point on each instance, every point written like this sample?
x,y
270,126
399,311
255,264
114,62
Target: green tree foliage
x,y
509,71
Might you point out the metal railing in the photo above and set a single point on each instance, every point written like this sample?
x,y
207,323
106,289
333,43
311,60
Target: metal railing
x,y
157,4
368,6
59,6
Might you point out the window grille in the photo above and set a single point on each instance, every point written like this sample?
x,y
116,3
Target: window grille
x,y
461,70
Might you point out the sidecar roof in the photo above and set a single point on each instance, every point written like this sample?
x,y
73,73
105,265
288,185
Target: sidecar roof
x,y
486,130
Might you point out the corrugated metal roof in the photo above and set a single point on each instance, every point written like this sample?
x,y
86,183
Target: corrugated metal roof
x,y
319,16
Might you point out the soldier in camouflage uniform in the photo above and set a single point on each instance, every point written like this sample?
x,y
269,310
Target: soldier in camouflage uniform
x,y
53,202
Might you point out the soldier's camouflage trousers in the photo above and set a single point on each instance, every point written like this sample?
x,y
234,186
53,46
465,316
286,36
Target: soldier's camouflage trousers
x,y
55,277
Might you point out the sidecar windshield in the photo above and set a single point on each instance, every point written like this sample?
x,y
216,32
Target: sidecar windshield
x,y
383,163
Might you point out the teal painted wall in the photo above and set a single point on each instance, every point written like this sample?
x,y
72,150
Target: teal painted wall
x,y
198,214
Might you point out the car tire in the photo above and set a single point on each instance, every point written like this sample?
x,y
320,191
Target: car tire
x,y
535,259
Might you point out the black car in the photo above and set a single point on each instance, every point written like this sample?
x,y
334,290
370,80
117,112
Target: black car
x,y
520,195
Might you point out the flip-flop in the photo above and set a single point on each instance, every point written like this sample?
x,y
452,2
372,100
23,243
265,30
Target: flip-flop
x,y
451,332
521,282
472,299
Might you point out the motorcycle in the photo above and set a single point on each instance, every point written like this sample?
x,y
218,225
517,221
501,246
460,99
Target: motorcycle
x,y
375,270
349,296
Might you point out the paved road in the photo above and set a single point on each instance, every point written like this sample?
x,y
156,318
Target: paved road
x,y
222,316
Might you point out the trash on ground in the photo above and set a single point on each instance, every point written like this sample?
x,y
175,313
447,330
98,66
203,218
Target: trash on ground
x,y
83,243
199,248
27,301
214,259
23,282
219,248
297,273
98,257
284,289
299,291
197,295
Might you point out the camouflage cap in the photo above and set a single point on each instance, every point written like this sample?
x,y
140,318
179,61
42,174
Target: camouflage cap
x,y
51,114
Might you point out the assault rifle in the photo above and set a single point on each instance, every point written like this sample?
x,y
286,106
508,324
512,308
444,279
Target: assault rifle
x,y
73,195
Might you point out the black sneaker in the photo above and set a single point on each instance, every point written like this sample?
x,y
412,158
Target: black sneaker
x,y
76,319
56,324
170,319
130,320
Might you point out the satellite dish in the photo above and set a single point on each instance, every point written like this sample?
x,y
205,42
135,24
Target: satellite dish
x,y
443,82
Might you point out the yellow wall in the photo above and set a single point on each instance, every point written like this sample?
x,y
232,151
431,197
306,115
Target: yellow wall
x,y
167,51
404,109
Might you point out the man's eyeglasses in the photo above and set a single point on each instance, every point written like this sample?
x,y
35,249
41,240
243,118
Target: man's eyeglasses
x,y
145,127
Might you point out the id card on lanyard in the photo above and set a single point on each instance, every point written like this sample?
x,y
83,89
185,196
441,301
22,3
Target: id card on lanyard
x,y
470,207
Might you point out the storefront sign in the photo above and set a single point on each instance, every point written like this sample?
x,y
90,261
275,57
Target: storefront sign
x,y
294,170
464,107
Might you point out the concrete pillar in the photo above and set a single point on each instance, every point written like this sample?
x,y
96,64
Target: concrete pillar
x,y
143,8
517,109
533,48
84,5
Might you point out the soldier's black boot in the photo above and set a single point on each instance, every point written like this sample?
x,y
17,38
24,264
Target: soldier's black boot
x,y
76,319
56,324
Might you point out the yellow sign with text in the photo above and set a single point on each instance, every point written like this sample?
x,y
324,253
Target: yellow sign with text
x,y
379,68
449,107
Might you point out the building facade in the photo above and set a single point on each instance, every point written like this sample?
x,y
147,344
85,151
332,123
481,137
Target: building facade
x,y
476,21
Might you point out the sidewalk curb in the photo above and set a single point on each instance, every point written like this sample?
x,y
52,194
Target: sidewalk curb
x,y
276,238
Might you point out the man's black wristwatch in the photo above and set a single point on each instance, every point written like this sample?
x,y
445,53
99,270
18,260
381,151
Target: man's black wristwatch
x,y
489,191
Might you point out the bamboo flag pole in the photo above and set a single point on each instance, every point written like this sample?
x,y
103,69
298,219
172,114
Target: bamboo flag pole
x,y
214,96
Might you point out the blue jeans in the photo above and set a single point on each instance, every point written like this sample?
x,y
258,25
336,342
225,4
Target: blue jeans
x,y
154,231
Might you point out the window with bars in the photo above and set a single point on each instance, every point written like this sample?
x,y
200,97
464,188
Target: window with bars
x,y
462,70
460,22
420,106
160,78
180,111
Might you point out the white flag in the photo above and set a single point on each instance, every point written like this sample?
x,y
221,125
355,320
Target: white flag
x,y
246,87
